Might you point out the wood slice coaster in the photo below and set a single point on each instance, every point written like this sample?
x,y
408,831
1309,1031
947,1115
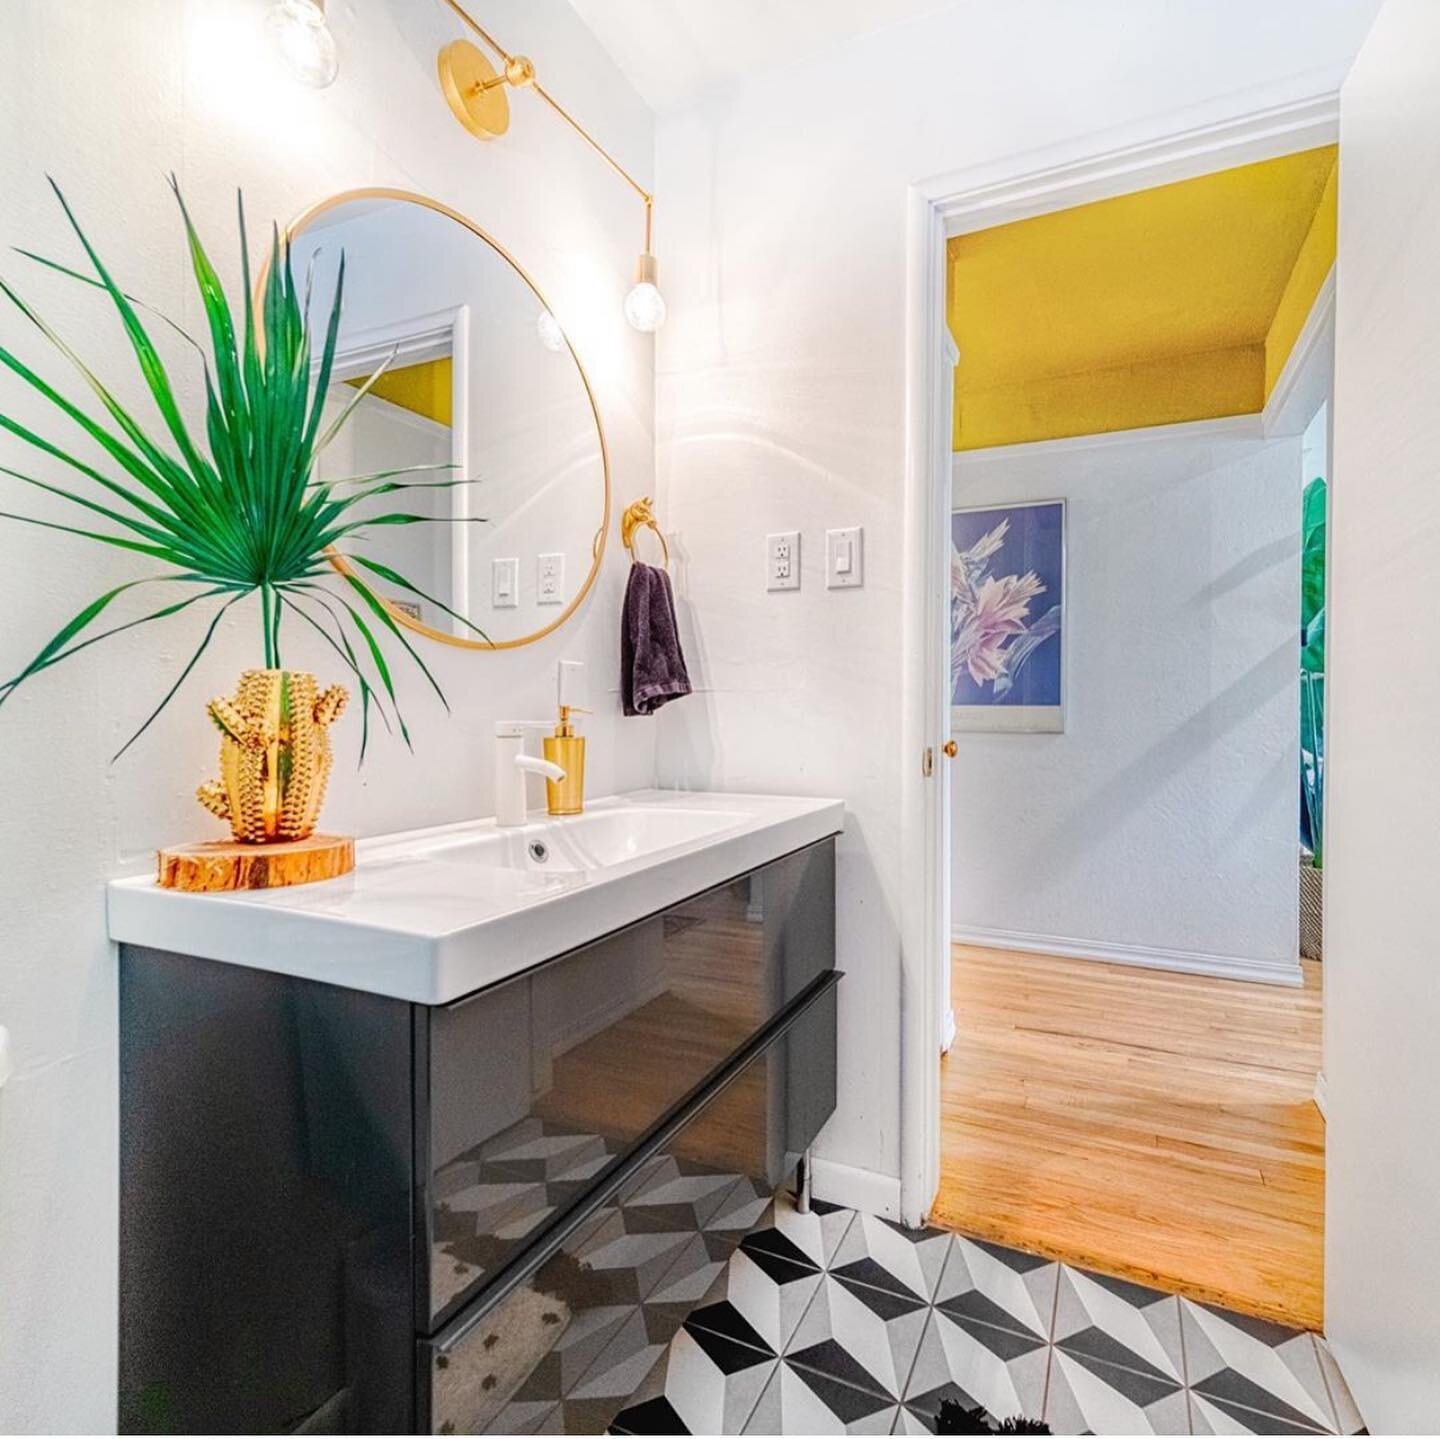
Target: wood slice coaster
x,y
227,864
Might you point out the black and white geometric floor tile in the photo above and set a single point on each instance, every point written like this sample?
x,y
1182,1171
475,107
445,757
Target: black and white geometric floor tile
x,y
986,1340
835,1322
1245,1374
1117,1364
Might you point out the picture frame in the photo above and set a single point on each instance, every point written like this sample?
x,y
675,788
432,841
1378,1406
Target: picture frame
x,y
1008,611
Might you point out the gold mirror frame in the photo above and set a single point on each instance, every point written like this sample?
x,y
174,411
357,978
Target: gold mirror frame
x,y
597,548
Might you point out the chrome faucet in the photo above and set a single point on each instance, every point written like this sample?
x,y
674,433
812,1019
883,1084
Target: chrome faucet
x,y
512,765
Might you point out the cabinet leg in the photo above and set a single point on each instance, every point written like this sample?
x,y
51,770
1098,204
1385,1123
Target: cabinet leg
x,y
802,1184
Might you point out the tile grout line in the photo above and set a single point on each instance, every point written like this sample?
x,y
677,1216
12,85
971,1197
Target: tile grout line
x,y
899,1400
1248,1408
1185,1367
1325,1380
915,1358
1264,1414
744,1424
1050,1344
925,1328
846,1383
1054,1345
846,1280
823,1270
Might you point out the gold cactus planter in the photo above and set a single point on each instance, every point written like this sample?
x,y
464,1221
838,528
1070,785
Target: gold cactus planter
x,y
274,755
274,761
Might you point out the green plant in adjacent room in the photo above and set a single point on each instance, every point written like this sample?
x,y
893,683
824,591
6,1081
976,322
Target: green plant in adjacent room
x,y
1312,668
234,512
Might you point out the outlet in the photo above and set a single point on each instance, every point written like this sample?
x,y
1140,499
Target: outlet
x,y
844,558
782,561
505,583
550,579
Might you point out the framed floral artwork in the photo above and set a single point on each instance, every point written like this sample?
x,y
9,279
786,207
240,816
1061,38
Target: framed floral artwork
x,y
1007,613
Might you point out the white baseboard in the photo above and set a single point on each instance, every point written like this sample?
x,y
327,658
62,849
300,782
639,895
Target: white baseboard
x,y
861,1189
1322,1096
947,1036
1180,961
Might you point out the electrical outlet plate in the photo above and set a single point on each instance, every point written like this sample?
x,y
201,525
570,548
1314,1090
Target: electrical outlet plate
x,y
505,583
550,579
844,558
782,561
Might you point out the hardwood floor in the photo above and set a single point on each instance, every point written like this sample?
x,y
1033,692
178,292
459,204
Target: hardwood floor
x,y
1156,1126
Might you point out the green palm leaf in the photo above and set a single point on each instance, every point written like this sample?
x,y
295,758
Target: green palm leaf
x,y
138,303
340,643
184,675
230,503
51,657
400,582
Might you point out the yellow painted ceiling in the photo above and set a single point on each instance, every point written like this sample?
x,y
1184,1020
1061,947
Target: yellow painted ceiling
x,y
424,389
1179,270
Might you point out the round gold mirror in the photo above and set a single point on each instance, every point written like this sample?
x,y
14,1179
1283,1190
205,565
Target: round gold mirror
x,y
478,384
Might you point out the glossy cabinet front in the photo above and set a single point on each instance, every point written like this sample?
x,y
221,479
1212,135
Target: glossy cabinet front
x,y
565,1348
266,1181
538,1085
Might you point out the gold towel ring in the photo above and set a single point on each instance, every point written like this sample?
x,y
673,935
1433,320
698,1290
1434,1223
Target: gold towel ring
x,y
642,512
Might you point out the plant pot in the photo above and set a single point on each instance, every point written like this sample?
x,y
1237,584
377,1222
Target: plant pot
x,y
274,755
1312,895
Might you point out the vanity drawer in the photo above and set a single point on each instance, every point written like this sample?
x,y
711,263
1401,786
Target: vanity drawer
x,y
561,1346
537,1088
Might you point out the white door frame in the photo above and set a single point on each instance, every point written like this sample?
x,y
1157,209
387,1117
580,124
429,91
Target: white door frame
x,y
953,204
412,340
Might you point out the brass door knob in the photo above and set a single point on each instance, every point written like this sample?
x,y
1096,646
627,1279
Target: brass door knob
x,y
949,748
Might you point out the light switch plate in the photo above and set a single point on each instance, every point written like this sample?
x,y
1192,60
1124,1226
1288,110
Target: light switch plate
x,y
782,561
844,558
550,579
505,583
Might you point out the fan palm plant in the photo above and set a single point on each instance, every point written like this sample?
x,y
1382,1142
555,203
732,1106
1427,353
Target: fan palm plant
x,y
236,514
1312,670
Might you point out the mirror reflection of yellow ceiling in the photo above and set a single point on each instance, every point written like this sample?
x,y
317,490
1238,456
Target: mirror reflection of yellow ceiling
x,y
1176,303
423,389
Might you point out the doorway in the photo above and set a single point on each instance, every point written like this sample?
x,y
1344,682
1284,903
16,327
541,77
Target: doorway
x,y
1025,961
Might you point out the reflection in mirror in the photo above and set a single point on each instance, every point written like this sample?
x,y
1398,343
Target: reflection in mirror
x,y
478,383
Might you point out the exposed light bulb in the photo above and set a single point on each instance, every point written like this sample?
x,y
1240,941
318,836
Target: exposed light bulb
x,y
298,31
551,335
645,305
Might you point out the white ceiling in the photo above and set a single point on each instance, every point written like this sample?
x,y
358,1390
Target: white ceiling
x,y
673,51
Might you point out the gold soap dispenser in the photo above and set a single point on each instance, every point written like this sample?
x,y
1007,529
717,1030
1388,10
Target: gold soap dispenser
x,y
565,747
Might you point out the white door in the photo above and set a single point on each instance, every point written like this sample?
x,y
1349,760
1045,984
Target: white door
x,y
1382,899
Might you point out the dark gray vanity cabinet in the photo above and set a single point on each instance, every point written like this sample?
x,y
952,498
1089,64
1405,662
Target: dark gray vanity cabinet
x,y
342,1212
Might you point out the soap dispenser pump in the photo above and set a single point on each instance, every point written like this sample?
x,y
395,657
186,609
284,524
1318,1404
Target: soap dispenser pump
x,y
566,748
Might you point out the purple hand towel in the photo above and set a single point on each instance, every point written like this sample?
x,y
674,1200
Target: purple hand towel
x,y
652,666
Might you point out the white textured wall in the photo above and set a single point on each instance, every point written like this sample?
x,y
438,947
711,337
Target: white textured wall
x,y
781,232
1163,820
109,98
1382,904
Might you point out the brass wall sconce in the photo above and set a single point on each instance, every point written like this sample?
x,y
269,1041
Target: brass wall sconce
x,y
476,93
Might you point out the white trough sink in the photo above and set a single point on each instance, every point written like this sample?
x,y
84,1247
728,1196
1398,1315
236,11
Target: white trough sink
x,y
431,915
